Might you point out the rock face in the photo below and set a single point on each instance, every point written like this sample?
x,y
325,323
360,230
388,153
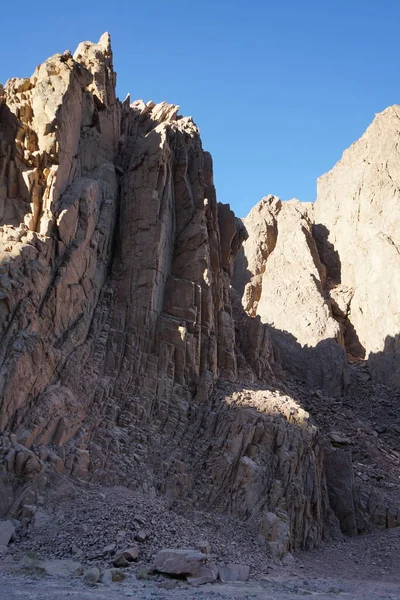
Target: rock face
x,y
125,355
118,338
357,216
283,282
329,273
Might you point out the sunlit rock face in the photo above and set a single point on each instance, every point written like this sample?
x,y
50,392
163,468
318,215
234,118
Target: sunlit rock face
x,y
328,275
284,283
359,206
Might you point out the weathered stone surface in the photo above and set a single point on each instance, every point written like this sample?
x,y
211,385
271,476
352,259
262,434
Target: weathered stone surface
x,y
57,567
206,574
358,215
91,576
262,228
125,356
180,562
284,285
276,531
124,558
116,311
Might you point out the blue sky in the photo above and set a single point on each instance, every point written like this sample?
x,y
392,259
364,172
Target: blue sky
x,y
278,89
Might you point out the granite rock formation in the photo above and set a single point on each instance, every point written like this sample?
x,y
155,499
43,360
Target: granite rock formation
x,y
328,272
283,282
116,313
126,357
357,217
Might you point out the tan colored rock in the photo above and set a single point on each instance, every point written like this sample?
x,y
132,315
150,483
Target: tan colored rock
x,y
125,356
286,290
123,319
124,558
358,215
276,531
262,228
206,574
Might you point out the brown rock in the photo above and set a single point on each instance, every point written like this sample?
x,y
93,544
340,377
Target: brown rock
x,y
123,559
206,574
120,334
179,562
357,214
285,289
141,535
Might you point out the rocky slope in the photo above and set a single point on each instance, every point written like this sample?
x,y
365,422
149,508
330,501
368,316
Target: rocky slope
x,y
126,357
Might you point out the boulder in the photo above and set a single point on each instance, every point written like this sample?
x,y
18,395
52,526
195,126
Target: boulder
x,y
92,576
206,574
179,562
124,558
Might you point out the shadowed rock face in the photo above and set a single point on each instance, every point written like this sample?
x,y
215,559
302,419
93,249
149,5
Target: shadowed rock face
x,y
125,355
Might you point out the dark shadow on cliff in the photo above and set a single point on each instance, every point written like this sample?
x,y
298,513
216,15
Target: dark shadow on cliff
x,y
17,202
322,367
385,365
241,275
327,253
330,258
320,379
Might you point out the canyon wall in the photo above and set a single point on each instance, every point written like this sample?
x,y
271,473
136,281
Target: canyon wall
x,y
118,342
126,355
357,217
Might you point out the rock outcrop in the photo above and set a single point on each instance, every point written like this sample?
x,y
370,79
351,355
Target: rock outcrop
x,y
329,272
126,357
118,332
282,279
357,217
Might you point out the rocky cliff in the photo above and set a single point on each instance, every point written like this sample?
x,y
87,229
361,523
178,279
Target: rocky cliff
x,y
126,356
329,272
357,225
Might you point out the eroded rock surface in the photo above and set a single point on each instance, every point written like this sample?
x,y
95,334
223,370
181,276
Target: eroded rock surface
x,y
125,354
117,317
283,280
358,216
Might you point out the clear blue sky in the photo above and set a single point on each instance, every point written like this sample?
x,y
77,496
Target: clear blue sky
x,y
279,89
